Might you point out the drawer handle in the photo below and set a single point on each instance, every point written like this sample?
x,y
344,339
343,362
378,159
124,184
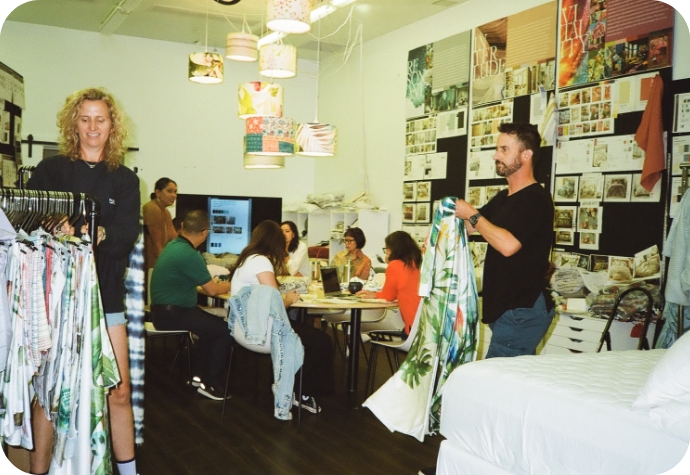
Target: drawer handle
x,y
574,340
574,351
576,329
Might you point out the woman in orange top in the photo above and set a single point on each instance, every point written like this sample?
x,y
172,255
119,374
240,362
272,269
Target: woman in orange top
x,y
402,276
158,225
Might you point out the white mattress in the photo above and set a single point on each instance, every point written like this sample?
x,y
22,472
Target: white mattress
x,y
558,414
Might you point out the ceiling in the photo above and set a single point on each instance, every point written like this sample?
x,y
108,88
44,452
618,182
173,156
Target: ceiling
x,y
184,21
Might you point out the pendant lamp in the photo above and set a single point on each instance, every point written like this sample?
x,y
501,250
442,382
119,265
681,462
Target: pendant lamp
x,y
269,136
263,161
259,99
289,16
242,47
315,139
206,67
278,61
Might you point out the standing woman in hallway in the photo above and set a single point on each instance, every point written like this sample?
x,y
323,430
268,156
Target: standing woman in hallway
x,y
92,135
158,224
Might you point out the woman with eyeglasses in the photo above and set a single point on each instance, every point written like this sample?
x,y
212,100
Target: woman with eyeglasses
x,y
359,264
402,276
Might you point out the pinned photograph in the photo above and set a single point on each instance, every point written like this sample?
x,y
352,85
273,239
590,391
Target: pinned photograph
x,y
564,237
409,191
565,188
589,218
589,241
423,213
640,193
591,187
408,212
617,187
424,191
621,268
564,217
598,263
475,196
647,263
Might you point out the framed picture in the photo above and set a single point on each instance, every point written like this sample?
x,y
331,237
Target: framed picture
x,y
423,213
409,191
598,263
566,188
621,268
424,191
408,212
617,187
647,263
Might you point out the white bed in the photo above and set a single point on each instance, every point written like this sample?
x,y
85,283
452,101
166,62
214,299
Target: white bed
x,y
620,412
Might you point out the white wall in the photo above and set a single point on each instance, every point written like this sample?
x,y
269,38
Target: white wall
x,y
188,132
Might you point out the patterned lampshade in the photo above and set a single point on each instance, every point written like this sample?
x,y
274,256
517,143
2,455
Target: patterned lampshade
x,y
316,140
269,136
278,61
259,99
206,68
289,16
264,161
242,47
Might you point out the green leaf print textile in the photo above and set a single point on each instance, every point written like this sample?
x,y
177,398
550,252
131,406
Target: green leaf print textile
x,y
410,401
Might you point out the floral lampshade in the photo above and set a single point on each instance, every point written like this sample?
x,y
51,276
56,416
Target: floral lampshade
x,y
278,61
269,136
206,68
316,140
242,47
264,161
259,99
289,16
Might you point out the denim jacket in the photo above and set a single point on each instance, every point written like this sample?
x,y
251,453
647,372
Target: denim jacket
x,y
253,305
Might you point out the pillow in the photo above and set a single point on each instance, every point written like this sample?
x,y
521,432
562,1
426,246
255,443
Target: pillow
x,y
670,378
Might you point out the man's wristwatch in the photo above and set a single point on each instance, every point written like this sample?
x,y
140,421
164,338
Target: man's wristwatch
x,y
474,218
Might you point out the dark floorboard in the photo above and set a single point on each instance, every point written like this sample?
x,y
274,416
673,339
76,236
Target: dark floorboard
x,y
185,434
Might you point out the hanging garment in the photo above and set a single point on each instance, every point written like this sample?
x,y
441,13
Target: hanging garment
x,y
650,136
134,313
410,401
677,291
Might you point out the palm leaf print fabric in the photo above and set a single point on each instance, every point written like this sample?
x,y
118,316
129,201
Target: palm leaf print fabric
x,y
410,401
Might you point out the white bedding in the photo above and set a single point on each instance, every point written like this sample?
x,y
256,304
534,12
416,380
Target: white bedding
x,y
556,414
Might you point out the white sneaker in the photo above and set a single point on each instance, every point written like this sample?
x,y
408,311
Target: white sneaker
x,y
308,403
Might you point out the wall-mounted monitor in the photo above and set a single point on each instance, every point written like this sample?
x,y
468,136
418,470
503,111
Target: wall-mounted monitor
x,y
232,218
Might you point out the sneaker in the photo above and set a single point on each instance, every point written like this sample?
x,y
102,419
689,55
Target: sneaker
x,y
196,381
308,403
212,393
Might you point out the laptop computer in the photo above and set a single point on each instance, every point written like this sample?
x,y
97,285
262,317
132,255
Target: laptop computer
x,y
331,284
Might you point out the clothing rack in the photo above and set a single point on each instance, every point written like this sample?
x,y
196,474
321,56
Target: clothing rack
x,y
26,208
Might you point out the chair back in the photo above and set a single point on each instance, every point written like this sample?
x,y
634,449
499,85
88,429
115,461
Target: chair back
x,y
413,331
380,278
240,337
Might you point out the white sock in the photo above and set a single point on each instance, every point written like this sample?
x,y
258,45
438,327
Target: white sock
x,y
127,468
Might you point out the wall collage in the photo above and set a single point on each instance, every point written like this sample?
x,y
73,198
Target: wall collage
x,y
582,71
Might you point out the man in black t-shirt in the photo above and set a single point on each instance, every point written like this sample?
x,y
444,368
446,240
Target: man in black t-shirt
x,y
518,225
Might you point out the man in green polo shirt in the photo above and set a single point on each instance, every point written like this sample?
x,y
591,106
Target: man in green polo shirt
x,y
178,272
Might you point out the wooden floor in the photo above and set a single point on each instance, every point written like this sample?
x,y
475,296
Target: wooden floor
x,y
185,433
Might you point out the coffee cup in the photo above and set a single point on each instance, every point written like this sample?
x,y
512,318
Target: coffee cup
x,y
354,287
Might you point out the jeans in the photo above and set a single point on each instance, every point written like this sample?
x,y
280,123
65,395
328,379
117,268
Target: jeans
x,y
214,340
519,331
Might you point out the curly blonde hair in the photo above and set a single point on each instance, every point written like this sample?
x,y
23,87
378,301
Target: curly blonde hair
x,y
67,123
